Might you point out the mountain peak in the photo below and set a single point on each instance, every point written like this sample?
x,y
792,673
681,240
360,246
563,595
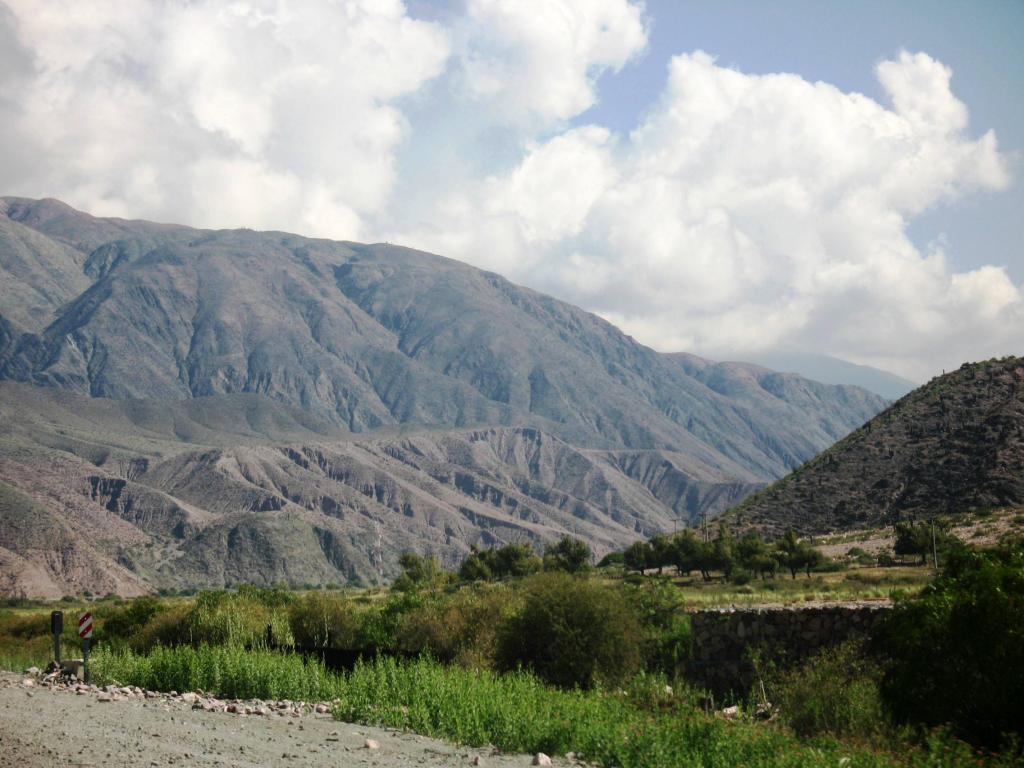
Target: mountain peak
x,y
952,445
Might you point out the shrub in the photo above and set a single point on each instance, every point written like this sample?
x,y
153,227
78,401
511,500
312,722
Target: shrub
x,y
835,693
572,632
242,618
664,621
462,628
956,655
419,572
168,627
323,620
220,618
614,559
379,627
125,621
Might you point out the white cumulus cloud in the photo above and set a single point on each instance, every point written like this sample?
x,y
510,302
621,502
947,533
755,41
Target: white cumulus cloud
x,y
749,212
265,113
744,212
539,61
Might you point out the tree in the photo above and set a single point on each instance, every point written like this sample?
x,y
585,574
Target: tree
x,y
661,552
638,556
477,566
913,539
686,551
515,561
922,538
812,559
724,551
418,571
569,555
754,555
509,561
797,555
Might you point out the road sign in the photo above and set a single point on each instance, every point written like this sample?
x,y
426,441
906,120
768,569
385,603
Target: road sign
x,y
85,625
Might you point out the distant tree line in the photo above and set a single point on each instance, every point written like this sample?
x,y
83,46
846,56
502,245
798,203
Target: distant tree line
x,y
510,561
749,555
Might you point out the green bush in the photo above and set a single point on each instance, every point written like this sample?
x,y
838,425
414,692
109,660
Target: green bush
x,y
419,572
380,625
612,560
572,632
220,618
664,622
461,628
323,620
956,654
125,621
168,627
834,693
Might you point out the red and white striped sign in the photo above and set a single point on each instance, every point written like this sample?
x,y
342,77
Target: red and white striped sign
x,y
85,625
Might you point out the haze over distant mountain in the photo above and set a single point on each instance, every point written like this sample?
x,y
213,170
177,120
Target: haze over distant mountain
x,y
953,445
832,370
260,406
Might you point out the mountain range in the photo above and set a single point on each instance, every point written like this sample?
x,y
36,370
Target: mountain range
x,y
186,407
832,370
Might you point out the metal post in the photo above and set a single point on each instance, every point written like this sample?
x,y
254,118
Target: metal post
x,y
56,627
935,548
85,659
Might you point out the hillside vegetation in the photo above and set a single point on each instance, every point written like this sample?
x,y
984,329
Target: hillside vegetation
x,y
954,445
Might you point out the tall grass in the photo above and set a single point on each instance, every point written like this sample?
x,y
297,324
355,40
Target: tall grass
x,y
514,712
227,670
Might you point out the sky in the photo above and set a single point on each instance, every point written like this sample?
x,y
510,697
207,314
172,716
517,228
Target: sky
x,y
715,176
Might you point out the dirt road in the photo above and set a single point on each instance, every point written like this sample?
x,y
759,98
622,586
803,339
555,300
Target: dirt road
x,y
40,727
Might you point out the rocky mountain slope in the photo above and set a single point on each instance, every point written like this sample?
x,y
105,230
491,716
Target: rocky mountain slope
x,y
260,406
175,494
953,445
364,336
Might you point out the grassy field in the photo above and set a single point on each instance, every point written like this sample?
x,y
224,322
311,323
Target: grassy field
x,y
848,585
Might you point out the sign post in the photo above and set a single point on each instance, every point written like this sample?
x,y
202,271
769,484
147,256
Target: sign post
x,y
85,632
56,627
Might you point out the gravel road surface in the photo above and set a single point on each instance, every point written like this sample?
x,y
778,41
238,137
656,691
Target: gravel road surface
x,y
41,726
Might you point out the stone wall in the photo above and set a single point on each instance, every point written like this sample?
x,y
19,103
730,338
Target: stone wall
x,y
723,640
